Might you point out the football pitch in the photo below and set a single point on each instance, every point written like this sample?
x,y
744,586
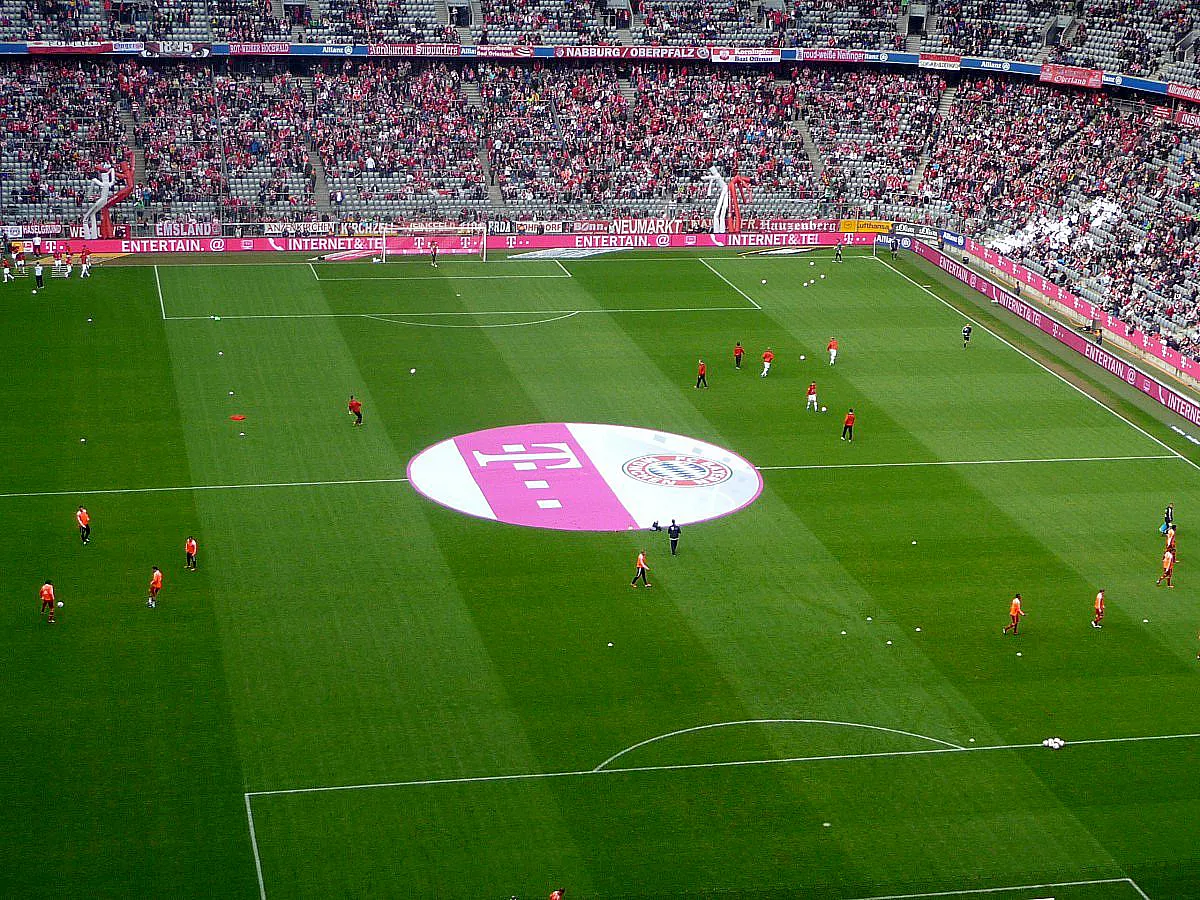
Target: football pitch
x,y
363,693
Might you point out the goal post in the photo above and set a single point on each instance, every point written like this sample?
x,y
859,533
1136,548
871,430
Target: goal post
x,y
419,240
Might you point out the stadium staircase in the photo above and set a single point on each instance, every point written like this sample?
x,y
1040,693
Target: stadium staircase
x,y
277,9
139,155
628,91
471,91
944,105
321,190
912,43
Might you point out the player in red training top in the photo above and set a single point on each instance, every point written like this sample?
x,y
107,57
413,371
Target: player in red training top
x,y
768,358
7,266
189,553
355,407
832,348
1098,605
155,587
85,263
85,525
1168,564
738,352
47,595
811,402
848,426
558,894
701,374
1014,614
640,571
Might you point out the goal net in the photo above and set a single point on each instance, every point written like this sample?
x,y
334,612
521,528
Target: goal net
x,y
420,240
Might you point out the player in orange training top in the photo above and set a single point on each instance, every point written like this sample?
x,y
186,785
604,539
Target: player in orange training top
x,y
1171,537
1099,606
738,352
702,374
189,553
768,358
1014,614
85,526
47,595
354,405
1168,563
848,426
640,571
811,402
558,894
832,348
155,587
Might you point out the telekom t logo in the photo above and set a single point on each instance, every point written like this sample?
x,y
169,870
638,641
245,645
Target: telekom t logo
x,y
525,460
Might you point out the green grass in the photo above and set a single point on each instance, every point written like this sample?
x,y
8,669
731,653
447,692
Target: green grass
x,y
356,634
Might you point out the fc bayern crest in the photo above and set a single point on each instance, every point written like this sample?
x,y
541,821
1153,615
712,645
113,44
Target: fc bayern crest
x,y
677,470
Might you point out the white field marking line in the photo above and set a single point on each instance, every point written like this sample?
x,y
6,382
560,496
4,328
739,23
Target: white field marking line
x,y
740,763
663,737
204,487
498,325
158,284
1019,887
961,462
262,888
1040,365
489,312
566,271
704,263
353,481
313,269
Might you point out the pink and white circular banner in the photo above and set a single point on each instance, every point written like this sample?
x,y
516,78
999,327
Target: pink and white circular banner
x,y
570,476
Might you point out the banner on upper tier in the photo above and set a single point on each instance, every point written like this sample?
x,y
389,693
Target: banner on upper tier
x,y
176,49
950,62
1183,92
1074,76
605,52
1001,65
745,55
1187,117
187,229
1064,334
1133,83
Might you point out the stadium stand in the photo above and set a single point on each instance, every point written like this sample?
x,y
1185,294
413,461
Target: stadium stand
x,y
839,24
57,123
683,22
1003,29
397,140
543,22
379,21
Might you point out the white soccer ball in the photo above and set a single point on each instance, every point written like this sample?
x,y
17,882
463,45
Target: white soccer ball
x,y
241,434
59,604
822,274
812,263
231,393
801,356
89,320
219,352
824,409
412,371
764,281
35,290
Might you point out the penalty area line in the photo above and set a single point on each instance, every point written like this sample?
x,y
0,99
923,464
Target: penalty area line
x,y
751,300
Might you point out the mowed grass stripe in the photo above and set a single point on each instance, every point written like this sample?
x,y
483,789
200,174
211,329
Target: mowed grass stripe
x,y
118,738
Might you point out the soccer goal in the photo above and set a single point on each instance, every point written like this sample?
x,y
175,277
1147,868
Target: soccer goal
x,y
422,239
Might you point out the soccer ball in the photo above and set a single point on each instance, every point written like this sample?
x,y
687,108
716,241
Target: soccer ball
x,y
824,409
801,356
35,290
812,263
412,371
59,604
764,281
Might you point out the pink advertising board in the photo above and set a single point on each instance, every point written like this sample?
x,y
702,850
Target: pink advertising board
x,y
465,244
1065,334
